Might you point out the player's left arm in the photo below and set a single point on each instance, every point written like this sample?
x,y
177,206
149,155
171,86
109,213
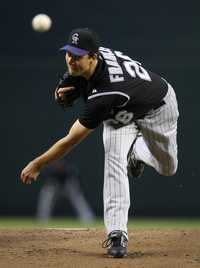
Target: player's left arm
x,y
63,146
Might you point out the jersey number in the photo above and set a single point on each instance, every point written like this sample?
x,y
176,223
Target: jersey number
x,y
133,68
122,117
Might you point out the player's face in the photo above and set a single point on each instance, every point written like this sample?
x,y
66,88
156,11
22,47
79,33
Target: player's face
x,y
78,65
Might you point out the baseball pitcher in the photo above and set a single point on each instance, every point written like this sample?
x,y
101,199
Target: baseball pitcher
x,y
139,112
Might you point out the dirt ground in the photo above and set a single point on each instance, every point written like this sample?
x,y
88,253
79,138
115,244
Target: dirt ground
x,y
82,248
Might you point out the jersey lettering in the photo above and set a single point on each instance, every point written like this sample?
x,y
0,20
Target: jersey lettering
x,y
114,69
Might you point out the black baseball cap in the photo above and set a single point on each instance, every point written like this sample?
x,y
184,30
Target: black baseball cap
x,y
81,42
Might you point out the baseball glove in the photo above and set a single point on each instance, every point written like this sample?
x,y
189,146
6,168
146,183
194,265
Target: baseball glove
x,y
77,84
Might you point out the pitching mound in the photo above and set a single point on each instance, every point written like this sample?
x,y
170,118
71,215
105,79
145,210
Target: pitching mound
x,y
82,248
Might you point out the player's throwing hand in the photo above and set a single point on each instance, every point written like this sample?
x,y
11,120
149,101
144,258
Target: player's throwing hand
x,y
30,173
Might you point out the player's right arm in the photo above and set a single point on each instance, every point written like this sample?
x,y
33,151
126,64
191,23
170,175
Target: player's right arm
x,y
63,146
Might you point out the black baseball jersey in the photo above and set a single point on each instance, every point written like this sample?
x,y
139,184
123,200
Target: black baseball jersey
x,y
121,91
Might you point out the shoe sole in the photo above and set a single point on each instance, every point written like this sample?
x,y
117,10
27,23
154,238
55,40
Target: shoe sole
x,y
117,257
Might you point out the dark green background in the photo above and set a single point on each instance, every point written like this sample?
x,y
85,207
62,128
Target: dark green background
x,y
162,34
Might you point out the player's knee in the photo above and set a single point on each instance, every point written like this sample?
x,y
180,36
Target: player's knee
x,y
168,173
170,170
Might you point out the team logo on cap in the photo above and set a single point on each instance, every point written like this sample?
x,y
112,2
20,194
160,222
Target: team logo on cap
x,y
75,38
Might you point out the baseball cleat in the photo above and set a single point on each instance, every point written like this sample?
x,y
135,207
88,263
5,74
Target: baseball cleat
x,y
135,167
117,244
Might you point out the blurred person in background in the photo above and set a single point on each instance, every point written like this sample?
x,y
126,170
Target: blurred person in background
x,y
61,179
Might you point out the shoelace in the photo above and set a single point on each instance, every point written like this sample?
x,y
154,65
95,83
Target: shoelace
x,y
107,242
112,238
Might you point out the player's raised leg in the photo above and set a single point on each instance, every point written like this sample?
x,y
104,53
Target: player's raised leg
x,y
157,146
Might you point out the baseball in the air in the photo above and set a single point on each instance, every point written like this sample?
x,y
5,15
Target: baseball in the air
x,y
41,23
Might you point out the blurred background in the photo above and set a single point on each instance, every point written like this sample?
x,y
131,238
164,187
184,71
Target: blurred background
x,y
162,35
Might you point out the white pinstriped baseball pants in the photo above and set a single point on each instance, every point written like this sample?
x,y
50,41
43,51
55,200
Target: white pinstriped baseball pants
x,y
157,147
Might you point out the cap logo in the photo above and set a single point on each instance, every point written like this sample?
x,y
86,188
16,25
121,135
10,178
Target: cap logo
x,y
75,38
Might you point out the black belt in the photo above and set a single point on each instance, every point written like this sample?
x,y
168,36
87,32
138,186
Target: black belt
x,y
159,105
